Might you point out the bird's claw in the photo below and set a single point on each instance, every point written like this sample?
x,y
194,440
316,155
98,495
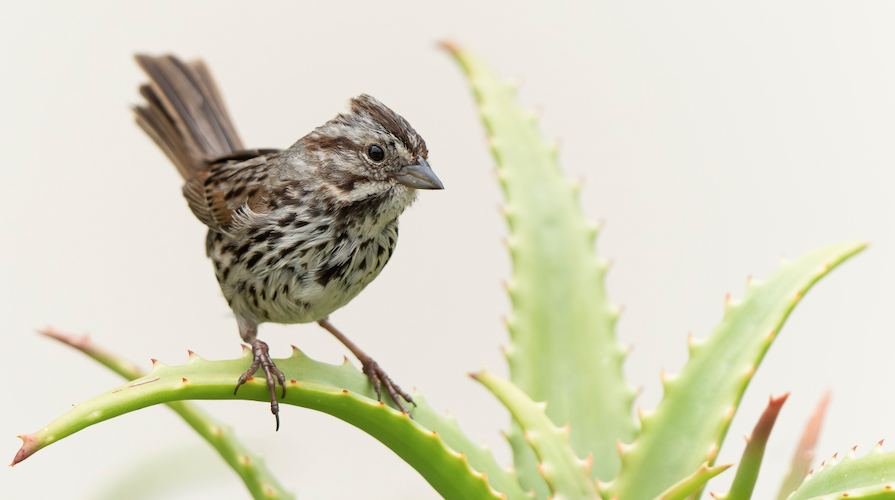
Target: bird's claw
x,y
261,359
378,378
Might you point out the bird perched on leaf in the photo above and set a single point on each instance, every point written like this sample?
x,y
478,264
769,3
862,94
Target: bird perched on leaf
x,y
293,234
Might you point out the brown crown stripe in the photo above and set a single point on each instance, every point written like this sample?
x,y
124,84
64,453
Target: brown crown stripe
x,y
391,121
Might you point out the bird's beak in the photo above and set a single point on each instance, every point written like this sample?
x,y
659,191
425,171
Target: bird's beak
x,y
419,176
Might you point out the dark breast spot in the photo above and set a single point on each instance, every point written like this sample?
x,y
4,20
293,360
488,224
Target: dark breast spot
x,y
363,209
254,259
241,251
291,248
325,275
271,235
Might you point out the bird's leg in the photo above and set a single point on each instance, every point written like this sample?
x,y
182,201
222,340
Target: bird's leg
x,y
371,369
261,358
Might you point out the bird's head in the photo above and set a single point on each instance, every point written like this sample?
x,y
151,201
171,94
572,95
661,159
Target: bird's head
x,y
369,155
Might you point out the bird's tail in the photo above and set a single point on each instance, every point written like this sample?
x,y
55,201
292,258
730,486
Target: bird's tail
x,y
184,113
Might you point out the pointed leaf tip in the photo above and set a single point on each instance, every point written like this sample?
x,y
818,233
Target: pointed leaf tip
x,y
804,454
692,483
29,446
449,45
779,400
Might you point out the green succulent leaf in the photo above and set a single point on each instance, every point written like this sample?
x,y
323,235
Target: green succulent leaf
x,y
687,486
567,476
563,347
479,456
801,461
462,470
526,462
747,472
869,477
260,482
689,425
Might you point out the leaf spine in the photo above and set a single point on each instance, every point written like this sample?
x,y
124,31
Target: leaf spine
x,y
622,448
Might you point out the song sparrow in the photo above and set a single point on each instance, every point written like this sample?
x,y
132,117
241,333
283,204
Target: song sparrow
x,y
293,234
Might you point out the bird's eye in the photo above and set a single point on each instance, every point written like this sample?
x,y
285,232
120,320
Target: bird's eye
x,y
375,153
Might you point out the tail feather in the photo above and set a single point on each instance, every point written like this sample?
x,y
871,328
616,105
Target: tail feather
x,y
184,114
158,125
217,105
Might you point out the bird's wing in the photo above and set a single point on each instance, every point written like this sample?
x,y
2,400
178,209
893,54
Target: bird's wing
x,y
233,187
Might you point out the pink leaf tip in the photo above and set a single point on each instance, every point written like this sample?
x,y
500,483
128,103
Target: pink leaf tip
x,y
29,446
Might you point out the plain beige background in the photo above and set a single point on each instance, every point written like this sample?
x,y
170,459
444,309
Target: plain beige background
x,y
712,139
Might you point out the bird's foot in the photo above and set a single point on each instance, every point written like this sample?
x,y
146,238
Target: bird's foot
x,y
379,378
261,358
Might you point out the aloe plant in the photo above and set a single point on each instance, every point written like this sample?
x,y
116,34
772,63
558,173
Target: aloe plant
x,y
573,431
260,482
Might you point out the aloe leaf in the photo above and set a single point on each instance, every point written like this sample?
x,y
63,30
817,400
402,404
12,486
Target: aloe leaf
x,y
466,472
566,474
563,346
526,463
747,472
685,487
260,482
479,456
869,477
801,461
689,425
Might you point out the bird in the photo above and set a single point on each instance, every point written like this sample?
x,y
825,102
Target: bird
x,y
293,234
